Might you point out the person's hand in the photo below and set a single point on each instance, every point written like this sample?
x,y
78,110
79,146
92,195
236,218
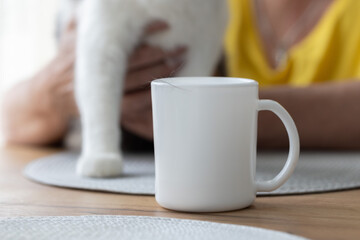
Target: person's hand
x,y
62,86
146,64
52,87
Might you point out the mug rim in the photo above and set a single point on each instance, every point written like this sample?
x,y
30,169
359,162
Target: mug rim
x,y
199,82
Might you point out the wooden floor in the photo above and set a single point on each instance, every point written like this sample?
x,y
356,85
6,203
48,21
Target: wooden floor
x,y
316,216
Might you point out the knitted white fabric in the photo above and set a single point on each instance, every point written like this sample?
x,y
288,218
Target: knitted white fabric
x,y
315,172
128,227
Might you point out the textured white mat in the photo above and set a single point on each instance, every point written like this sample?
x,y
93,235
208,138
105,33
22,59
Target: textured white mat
x,y
315,172
128,227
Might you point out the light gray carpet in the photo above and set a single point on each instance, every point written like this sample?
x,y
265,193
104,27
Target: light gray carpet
x,y
315,172
128,227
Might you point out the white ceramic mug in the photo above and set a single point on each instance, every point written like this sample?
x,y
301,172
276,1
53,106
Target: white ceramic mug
x,y
205,134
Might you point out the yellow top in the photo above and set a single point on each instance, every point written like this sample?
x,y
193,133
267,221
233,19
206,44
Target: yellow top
x,y
330,52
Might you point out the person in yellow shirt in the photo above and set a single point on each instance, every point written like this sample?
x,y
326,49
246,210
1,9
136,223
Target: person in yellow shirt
x,y
304,54
318,43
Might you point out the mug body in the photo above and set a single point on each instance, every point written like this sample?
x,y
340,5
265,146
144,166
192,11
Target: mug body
x,y
205,131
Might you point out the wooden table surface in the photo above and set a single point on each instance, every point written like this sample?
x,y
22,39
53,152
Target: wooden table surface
x,y
316,216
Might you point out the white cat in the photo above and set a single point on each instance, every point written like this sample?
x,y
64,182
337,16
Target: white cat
x,y
108,32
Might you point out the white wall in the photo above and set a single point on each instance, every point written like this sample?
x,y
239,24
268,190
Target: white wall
x,y
26,38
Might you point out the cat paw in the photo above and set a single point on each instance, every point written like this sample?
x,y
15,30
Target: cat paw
x,y
99,165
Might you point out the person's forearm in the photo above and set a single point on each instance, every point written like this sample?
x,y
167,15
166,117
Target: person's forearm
x,y
326,115
28,114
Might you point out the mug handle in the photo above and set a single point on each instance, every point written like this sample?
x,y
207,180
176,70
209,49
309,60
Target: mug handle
x,y
294,151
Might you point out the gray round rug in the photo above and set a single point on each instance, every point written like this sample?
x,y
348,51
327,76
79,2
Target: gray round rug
x,y
315,172
129,227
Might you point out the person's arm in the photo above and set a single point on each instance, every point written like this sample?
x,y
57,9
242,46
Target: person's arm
x,y
146,64
37,111
327,115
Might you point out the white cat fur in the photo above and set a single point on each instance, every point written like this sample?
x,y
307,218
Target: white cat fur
x,y
108,32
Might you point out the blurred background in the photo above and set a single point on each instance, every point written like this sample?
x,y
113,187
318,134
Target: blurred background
x,y
318,81
27,38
